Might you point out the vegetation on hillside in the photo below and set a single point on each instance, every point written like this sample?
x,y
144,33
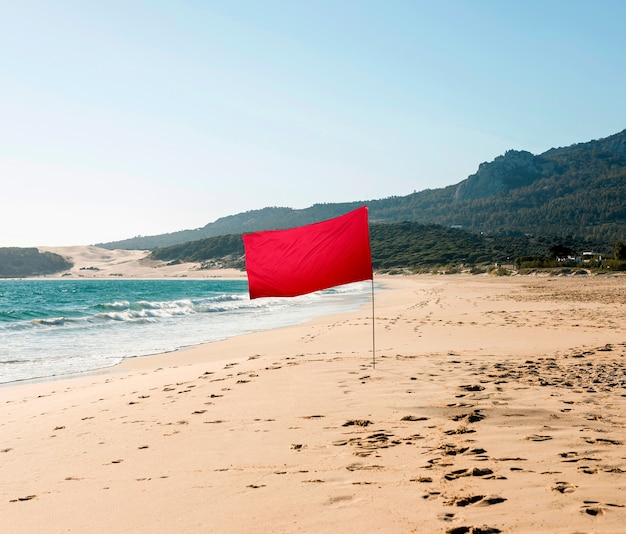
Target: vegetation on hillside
x,y
406,246
225,248
584,196
576,192
23,262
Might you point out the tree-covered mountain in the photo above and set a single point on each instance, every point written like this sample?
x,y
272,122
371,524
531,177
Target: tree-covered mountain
x,y
23,262
406,245
576,192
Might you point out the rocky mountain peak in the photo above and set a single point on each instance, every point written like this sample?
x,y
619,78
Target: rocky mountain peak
x,y
615,144
514,169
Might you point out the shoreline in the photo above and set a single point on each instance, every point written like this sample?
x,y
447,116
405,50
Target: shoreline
x,y
210,331
496,403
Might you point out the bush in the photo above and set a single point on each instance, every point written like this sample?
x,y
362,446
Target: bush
x,y
615,265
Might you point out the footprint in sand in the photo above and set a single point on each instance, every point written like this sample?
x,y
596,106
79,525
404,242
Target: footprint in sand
x,y
361,467
473,530
465,501
474,499
476,472
413,418
472,387
488,501
339,498
22,499
593,510
606,441
357,422
564,487
473,417
537,437
587,469
450,449
596,508
456,474
460,430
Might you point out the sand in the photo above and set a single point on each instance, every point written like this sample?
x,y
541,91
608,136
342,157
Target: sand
x,y
96,262
497,404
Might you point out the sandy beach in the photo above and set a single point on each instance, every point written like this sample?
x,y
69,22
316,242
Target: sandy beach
x,y
497,404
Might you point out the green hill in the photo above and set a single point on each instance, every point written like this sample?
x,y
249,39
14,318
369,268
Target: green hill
x,y
572,193
23,262
406,245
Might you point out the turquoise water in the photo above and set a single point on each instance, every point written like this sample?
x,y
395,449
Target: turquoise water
x,y
53,328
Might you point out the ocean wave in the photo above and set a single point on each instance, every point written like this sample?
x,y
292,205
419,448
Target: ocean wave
x,y
121,305
52,321
348,289
97,329
135,312
153,311
144,310
117,316
11,316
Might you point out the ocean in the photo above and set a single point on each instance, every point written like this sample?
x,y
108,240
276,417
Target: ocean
x,y
53,328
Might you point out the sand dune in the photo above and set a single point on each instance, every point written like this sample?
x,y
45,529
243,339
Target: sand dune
x,y
95,262
496,405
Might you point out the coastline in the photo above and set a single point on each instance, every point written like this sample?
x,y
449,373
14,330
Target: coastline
x,y
495,403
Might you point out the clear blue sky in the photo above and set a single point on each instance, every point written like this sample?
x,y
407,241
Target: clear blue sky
x,y
120,118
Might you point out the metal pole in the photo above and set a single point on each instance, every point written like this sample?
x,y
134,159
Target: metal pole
x,y
373,330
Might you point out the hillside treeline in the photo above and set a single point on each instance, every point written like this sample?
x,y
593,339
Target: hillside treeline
x,y
581,195
576,192
407,245
18,262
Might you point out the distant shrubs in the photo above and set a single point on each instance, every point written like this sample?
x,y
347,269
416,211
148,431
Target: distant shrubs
x,y
501,271
530,262
620,250
615,265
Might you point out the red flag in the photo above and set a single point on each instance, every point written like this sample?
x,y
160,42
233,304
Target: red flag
x,y
286,263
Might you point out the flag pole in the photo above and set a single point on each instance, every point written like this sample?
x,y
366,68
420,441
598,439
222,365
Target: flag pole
x,y
373,330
